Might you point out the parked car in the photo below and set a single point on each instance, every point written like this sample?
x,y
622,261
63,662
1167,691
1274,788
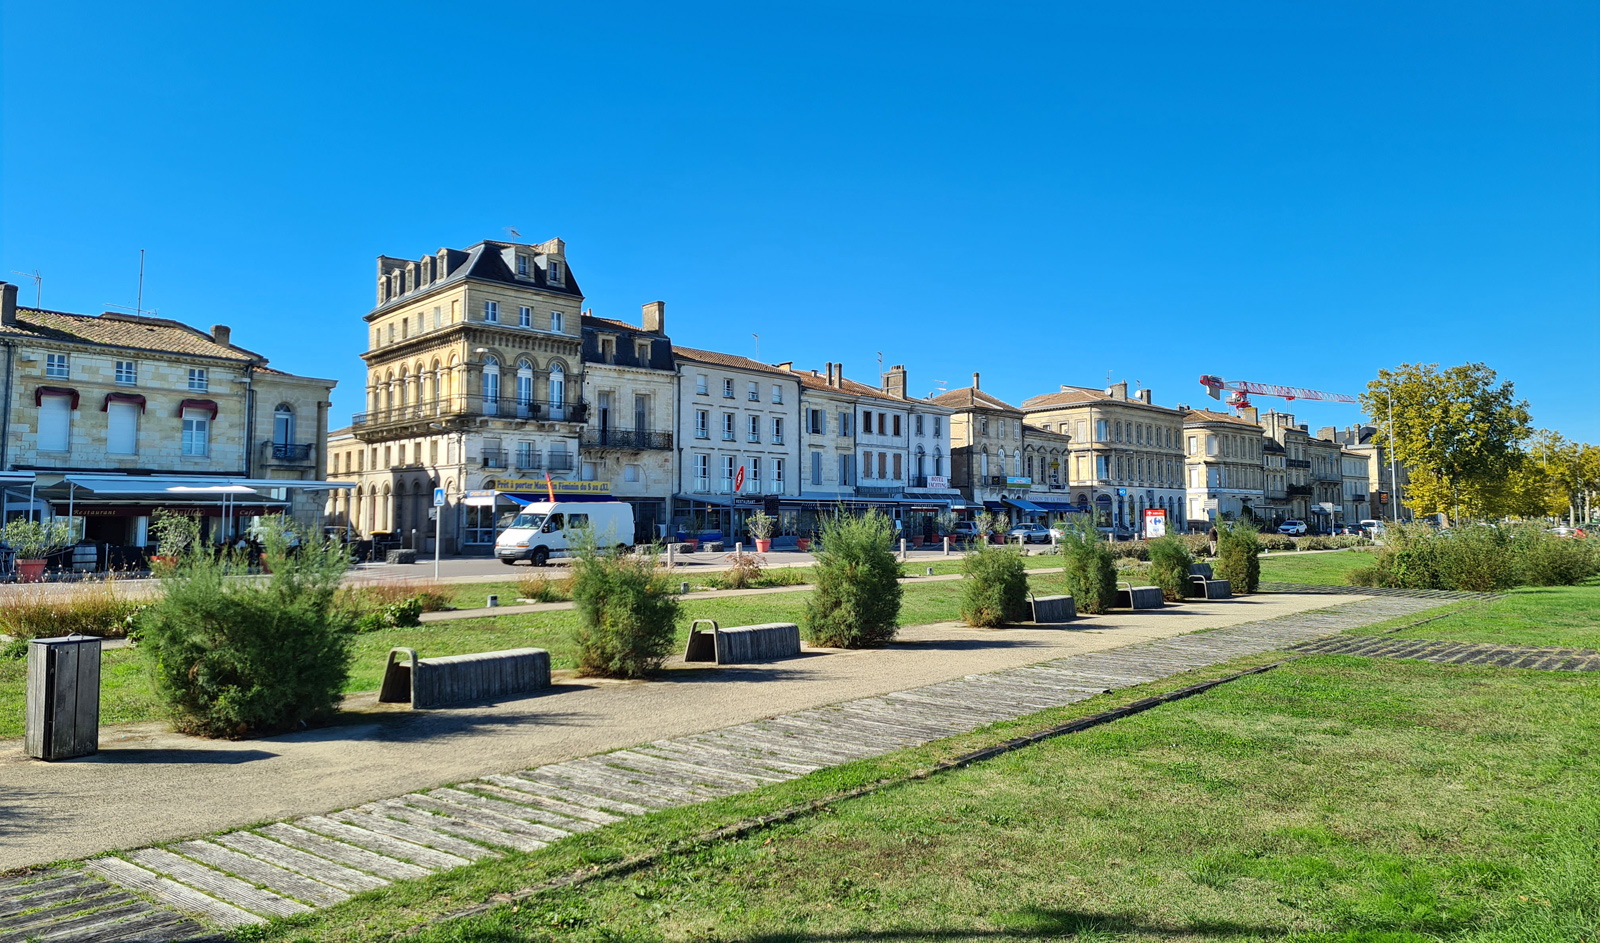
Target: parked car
x,y
1032,533
1373,528
1293,528
965,530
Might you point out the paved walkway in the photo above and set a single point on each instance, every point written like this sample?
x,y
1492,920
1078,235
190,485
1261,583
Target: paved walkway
x,y
250,875
1458,653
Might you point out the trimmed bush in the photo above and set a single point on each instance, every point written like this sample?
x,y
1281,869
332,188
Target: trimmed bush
x,y
1169,567
1238,555
994,590
857,600
627,613
235,657
1277,543
1130,550
1090,571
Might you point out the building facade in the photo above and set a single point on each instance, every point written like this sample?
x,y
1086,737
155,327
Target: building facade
x,y
1125,452
630,382
111,417
1224,468
985,447
1385,495
1299,487
474,384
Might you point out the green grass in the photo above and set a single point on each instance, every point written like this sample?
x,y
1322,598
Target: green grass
x,y
1317,569
1534,615
126,695
1334,799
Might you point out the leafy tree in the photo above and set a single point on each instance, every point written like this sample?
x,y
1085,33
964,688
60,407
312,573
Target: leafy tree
x,y
1457,429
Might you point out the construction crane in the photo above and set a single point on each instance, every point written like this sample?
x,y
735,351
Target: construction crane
x,y
1241,390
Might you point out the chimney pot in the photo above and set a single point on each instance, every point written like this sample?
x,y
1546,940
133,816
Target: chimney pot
x,y
838,374
655,317
8,305
222,334
975,380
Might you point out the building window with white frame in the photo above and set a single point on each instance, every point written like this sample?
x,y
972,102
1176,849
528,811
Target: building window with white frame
x,y
127,373
555,272
727,388
196,432
700,384
753,480
524,316
727,427
491,312
754,392
56,367
522,265
199,380
777,476
777,430
777,393
557,323
702,472
753,432
701,425
727,473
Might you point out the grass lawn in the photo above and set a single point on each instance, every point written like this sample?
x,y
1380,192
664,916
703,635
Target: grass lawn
x,y
1333,799
1534,615
1316,569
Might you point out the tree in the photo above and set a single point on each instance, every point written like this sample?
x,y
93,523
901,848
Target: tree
x,y
1572,470
1457,430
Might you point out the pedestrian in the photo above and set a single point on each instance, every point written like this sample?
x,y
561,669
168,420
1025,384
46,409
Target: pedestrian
x,y
1211,536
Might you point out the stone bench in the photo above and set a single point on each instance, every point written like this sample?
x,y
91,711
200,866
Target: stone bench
x,y
1203,588
742,644
400,556
1050,610
432,682
1138,597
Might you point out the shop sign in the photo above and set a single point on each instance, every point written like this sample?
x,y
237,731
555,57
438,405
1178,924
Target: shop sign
x,y
540,487
1155,523
940,482
479,499
1019,481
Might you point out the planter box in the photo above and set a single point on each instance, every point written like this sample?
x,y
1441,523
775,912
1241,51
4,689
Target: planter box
x,y
30,571
400,556
803,544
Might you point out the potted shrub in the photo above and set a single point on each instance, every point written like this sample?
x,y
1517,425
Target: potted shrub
x,y
760,524
803,543
33,541
174,533
987,523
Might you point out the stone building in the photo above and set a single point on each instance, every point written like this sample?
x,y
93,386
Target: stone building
x,y
1355,496
1224,468
475,378
1274,507
1385,496
1125,452
113,416
630,382
1299,486
985,447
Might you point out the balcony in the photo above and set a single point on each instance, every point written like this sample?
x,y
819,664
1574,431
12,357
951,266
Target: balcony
x,y
559,461
1299,491
529,458
414,418
494,458
640,439
287,453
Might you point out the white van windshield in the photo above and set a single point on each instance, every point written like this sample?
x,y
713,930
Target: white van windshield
x,y
529,520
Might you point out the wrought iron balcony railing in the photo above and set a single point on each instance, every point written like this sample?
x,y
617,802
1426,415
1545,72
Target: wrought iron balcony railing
x,y
288,451
468,407
614,438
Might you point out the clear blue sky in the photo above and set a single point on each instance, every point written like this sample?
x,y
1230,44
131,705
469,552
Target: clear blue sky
x,y
1290,193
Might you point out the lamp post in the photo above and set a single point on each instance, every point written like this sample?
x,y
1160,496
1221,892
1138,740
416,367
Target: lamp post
x,y
1394,478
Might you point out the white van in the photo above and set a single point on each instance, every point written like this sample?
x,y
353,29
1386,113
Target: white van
x,y
542,530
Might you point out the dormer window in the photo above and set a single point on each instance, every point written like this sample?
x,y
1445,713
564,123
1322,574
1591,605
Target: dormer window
x,y
555,272
522,265
608,350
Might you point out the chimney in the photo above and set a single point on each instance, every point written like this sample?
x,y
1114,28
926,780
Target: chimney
x,y
1330,433
8,305
838,375
1250,415
830,373
894,382
1118,390
1144,395
222,334
975,380
655,317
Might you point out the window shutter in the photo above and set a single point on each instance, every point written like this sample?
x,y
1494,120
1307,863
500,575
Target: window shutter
x,y
122,428
55,423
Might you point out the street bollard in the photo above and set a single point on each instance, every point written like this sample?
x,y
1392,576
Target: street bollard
x,y
493,601
669,558
738,547
930,571
947,546
902,550
683,589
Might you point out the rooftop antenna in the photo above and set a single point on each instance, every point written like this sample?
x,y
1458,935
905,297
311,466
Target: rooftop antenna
x,y
38,284
512,231
880,364
138,305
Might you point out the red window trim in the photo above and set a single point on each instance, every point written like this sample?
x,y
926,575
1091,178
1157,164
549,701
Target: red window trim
x,y
198,404
134,398
41,392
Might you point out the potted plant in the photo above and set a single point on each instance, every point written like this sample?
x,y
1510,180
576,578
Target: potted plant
x,y
33,541
944,525
986,523
174,533
760,524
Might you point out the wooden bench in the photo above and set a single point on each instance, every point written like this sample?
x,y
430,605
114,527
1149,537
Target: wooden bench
x,y
741,644
1050,610
1205,585
1138,597
432,682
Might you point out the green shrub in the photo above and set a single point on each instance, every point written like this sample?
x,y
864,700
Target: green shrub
x,y
544,589
1090,573
1238,555
627,613
237,657
1169,567
1547,560
857,600
35,540
1478,558
92,608
994,591
401,614
1197,544
1277,543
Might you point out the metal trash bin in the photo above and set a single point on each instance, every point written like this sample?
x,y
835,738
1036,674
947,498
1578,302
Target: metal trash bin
x,y
63,711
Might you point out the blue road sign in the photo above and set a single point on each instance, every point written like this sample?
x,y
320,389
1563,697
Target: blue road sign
x,y
438,497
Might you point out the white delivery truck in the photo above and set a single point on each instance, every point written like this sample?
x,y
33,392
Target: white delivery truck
x,y
544,529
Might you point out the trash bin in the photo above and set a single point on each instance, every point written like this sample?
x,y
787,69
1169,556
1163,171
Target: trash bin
x,y
62,719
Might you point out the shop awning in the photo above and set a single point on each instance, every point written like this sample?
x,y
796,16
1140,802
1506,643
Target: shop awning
x,y
1061,507
1023,504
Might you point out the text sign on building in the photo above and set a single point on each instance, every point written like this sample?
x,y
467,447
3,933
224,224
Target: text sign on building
x,y
1019,481
540,487
1155,523
938,481
480,499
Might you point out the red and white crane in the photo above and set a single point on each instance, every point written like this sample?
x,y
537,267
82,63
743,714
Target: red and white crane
x,y
1240,391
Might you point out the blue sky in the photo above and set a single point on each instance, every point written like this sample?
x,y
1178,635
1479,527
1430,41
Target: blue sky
x,y
1287,193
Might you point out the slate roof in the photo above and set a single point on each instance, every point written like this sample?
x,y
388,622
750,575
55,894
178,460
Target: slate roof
x,y
611,324
972,398
483,261
127,331
1273,445
732,361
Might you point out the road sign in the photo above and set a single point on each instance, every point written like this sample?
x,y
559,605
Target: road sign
x,y
438,497
738,480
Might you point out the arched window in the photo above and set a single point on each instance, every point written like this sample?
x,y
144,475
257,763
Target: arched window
x,y
983,459
938,462
388,390
558,391
405,386
491,386
524,389
283,424
922,462
1016,463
